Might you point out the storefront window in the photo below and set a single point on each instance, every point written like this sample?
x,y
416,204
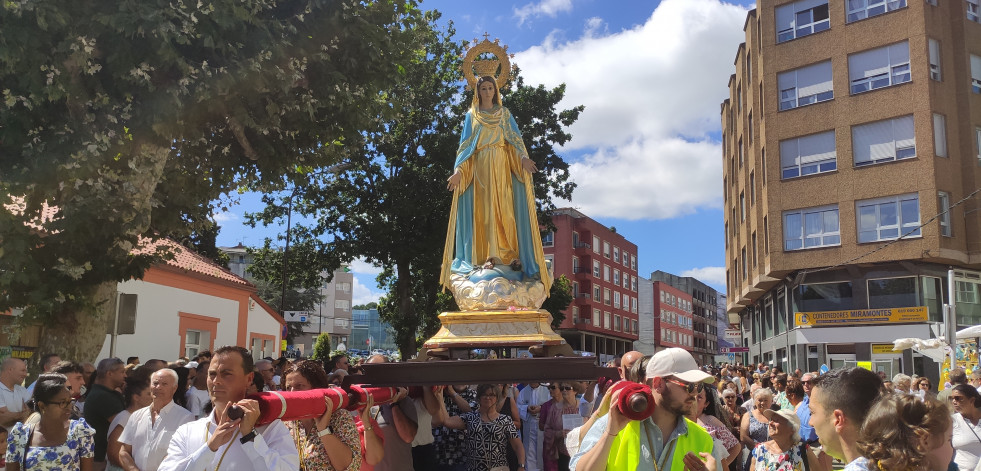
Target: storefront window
x,y
826,297
892,292
781,313
933,299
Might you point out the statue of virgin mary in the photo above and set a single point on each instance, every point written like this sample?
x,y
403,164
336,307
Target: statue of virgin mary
x,y
493,256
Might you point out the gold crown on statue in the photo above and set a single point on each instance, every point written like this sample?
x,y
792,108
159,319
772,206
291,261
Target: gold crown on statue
x,y
475,67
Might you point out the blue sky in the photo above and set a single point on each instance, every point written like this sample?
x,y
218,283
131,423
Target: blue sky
x,y
645,152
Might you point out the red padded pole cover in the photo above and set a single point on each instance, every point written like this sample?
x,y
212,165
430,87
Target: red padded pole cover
x,y
297,405
635,402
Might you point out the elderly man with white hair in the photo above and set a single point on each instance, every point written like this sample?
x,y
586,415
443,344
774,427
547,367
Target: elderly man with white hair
x,y
149,430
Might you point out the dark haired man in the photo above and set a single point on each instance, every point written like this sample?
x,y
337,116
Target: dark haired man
x,y
840,400
104,401
48,362
217,441
76,382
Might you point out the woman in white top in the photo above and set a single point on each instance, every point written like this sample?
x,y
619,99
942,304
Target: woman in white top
x,y
967,426
137,395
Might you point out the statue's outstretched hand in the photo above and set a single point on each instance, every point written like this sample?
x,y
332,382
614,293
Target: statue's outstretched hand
x,y
528,165
453,182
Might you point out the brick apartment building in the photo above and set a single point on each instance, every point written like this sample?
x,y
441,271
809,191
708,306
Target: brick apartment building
x,y
851,135
673,318
602,266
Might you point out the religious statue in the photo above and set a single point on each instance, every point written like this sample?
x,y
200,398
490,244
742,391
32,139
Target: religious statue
x,y
493,256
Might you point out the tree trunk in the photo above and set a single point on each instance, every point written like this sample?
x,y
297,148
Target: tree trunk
x,y
79,335
403,286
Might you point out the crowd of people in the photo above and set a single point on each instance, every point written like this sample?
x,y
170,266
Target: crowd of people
x,y
157,415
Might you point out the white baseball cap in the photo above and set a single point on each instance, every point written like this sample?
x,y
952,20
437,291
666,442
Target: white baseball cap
x,y
678,363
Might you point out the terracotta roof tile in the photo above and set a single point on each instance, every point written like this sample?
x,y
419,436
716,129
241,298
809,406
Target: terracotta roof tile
x,y
186,259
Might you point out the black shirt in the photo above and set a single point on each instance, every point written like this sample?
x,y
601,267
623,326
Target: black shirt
x,y
101,404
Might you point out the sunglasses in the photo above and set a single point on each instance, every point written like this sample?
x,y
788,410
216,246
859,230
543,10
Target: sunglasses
x,y
566,388
689,387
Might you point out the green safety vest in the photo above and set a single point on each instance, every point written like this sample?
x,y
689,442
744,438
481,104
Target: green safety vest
x,y
625,451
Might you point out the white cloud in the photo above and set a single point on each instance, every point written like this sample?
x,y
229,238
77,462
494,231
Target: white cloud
x,y
224,216
593,25
361,267
715,276
550,8
652,96
362,294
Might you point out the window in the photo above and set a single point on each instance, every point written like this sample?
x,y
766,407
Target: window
x,y
195,341
943,203
633,259
606,273
633,305
548,240
811,228
606,296
808,155
345,287
606,249
974,10
932,295
754,248
883,141
626,259
597,315
742,206
939,135
616,323
575,314
862,9
967,292
342,304
616,299
975,73
932,2
743,255
763,166
879,68
626,281
596,244
616,254
977,139
606,320
802,18
892,292
752,187
888,218
616,277
933,49
750,119
740,151
817,297
596,268
633,283
575,265
805,86
634,326
596,292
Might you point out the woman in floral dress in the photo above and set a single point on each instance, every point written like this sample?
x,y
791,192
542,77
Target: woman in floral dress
x,y
785,451
328,443
55,442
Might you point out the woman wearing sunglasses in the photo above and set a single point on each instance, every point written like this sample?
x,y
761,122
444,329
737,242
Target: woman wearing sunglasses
x,y
488,431
966,401
55,441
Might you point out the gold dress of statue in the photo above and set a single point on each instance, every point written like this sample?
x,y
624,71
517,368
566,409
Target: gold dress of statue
x,y
493,256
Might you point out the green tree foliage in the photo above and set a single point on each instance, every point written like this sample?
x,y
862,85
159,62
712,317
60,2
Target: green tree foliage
x,y
365,307
132,117
321,347
303,281
559,298
391,207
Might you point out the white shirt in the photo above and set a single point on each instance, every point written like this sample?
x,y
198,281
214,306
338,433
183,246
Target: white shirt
x,y
531,397
14,399
196,400
415,409
271,450
150,439
966,442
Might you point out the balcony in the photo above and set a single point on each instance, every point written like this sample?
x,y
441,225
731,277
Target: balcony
x,y
584,246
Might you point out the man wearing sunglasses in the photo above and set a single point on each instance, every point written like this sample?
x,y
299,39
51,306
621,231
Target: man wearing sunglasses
x,y
665,441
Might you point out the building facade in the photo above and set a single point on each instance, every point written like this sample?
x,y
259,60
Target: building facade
x,y
332,315
602,266
851,135
673,321
703,313
369,333
646,342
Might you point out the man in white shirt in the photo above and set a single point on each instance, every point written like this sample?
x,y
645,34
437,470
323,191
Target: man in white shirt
x,y
218,442
13,396
268,373
530,401
197,394
148,431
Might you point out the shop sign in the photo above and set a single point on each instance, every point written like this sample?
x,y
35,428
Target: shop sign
x,y
899,315
882,349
